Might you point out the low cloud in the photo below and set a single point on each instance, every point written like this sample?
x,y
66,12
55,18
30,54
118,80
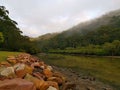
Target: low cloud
x,y
37,17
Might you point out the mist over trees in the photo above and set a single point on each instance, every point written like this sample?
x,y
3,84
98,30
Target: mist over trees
x,y
98,32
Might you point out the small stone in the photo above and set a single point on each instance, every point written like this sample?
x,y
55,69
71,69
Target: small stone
x,y
51,88
47,73
19,67
69,85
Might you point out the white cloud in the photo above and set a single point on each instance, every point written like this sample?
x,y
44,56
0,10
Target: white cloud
x,y
37,17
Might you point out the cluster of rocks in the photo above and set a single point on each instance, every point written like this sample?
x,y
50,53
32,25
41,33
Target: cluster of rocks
x,y
26,72
80,81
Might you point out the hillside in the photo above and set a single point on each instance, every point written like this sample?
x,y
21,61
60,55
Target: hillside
x,y
96,32
93,24
45,37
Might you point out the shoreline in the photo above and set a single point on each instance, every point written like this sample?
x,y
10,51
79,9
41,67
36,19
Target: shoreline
x,y
82,82
85,55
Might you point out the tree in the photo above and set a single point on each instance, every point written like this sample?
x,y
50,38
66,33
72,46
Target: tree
x,y
1,38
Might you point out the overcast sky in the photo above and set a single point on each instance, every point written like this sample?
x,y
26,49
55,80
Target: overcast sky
x,y
37,17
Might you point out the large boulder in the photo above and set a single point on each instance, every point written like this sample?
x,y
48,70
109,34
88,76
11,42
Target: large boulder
x,y
8,72
21,70
41,84
16,84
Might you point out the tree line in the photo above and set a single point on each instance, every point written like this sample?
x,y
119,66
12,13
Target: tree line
x,y
11,37
105,36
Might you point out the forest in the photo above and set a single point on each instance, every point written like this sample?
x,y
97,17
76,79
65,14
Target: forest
x,y
96,37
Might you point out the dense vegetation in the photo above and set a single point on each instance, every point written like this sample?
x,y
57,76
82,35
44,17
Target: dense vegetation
x,y
111,49
99,34
11,36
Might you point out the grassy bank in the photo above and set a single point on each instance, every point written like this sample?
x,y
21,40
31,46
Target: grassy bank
x,y
4,54
105,69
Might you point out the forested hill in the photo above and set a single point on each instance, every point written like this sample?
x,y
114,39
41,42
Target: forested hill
x,y
93,24
96,32
11,37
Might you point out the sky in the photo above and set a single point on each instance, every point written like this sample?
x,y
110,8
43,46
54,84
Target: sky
x,y
38,17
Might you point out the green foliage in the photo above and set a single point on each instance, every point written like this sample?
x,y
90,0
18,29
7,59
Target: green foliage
x,y
112,48
13,38
102,32
104,49
1,38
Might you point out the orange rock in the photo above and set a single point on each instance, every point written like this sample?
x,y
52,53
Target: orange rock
x,y
28,69
59,75
47,73
53,84
22,70
41,84
11,57
39,75
38,83
5,63
12,61
20,73
16,84
56,79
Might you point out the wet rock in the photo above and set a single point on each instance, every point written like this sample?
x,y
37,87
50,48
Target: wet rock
x,y
16,84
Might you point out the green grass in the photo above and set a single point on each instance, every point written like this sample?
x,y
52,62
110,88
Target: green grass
x,y
4,54
105,69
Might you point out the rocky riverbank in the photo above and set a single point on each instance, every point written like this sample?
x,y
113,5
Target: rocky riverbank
x,y
27,72
82,82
